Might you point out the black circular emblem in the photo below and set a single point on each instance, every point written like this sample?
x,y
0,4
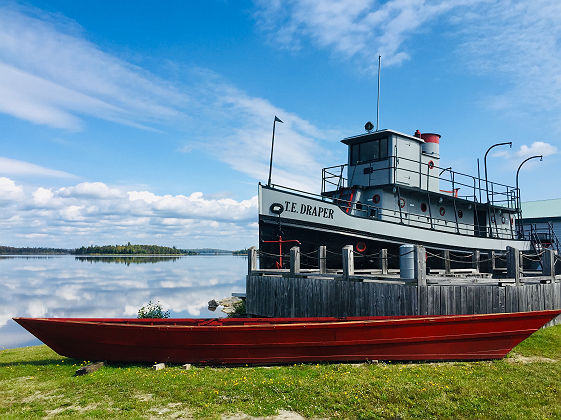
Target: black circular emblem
x,y
368,126
276,208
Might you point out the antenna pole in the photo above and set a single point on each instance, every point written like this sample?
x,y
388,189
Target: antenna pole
x,y
378,101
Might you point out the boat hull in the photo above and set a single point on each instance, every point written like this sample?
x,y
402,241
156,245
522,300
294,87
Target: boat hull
x,y
330,226
288,340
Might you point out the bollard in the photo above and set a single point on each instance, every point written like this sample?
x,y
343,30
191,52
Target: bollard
x,y
348,262
322,259
294,260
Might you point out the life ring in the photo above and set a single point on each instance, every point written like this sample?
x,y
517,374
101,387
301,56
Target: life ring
x,y
402,202
493,219
376,198
431,164
360,246
276,208
442,211
423,207
511,220
503,220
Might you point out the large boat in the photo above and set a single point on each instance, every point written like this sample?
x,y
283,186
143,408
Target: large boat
x,y
392,191
288,340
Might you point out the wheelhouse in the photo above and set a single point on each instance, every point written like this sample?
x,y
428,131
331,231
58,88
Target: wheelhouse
x,y
396,177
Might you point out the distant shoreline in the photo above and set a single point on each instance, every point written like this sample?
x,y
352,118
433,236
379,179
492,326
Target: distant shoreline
x,y
128,250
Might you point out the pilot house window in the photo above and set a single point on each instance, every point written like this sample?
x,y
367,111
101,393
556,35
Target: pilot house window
x,y
369,151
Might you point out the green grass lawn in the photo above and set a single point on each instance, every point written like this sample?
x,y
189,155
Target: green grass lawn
x,y
35,382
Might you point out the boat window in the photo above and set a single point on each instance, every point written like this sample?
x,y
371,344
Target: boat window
x,y
369,151
383,148
355,148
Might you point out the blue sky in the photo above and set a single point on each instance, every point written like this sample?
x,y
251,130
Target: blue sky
x,y
150,122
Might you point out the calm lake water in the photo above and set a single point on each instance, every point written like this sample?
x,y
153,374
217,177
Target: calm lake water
x,y
68,286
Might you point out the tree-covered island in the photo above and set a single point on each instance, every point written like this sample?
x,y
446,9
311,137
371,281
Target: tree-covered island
x,y
129,249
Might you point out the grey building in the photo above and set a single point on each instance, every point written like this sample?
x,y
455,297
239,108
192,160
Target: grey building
x,y
544,217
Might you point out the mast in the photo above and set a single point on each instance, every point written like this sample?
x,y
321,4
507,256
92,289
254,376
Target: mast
x,y
378,101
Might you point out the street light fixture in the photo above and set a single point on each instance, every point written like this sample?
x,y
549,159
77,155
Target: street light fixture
x,y
485,162
519,202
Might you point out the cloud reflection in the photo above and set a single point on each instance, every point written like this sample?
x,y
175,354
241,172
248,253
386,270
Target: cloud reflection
x,y
65,286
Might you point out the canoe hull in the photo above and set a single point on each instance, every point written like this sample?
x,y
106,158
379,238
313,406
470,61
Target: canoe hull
x,y
268,341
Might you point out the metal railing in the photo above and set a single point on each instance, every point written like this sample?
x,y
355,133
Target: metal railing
x,y
401,216
457,184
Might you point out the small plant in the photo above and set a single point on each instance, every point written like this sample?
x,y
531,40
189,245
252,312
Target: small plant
x,y
239,310
153,310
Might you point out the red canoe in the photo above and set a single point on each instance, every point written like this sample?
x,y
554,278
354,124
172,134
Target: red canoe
x,y
288,340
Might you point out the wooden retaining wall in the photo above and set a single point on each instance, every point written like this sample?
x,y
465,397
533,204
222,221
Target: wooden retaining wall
x,y
301,296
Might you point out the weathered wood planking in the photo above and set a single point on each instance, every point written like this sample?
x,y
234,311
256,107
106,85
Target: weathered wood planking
x,y
275,296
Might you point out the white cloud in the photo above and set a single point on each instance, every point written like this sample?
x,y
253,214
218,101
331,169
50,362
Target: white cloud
x,y
516,43
19,167
90,190
519,41
361,29
536,148
9,191
51,76
95,212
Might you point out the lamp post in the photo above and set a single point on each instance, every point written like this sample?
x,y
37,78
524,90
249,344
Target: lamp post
x,y
485,163
518,201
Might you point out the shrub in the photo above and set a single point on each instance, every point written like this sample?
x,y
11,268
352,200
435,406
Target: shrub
x,y
239,310
153,310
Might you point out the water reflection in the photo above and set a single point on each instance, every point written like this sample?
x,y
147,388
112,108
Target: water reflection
x,y
126,259
63,286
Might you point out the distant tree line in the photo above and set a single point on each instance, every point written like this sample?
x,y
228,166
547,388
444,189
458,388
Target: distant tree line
x,y
128,249
10,250
241,252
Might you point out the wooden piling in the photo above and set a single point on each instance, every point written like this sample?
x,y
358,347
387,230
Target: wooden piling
x,y
384,260
476,260
420,268
446,256
548,263
251,260
348,262
322,259
513,264
295,260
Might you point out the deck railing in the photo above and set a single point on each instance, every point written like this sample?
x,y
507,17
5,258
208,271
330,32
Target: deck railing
x,y
457,184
